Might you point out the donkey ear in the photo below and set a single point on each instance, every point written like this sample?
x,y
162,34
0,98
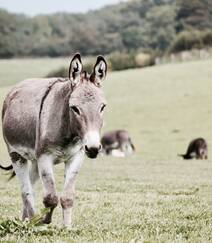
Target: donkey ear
x,y
99,71
75,69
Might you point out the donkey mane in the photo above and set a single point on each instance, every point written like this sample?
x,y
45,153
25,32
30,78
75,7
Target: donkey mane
x,y
47,92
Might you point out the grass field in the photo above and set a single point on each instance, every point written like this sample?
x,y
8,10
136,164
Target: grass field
x,y
152,196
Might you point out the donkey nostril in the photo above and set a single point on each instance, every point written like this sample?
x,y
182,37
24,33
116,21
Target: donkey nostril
x,y
86,148
100,147
94,150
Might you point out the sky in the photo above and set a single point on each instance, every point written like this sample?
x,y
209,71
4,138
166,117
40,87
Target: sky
x,y
34,7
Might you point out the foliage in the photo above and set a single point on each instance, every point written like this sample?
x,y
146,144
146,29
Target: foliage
x,y
63,71
120,61
144,59
26,228
125,26
196,14
116,61
193,39
146,25
60,72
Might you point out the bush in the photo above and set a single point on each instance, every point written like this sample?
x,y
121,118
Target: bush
x,y
207,38
121,61
88,67
144,59
188,40
116,62
63,71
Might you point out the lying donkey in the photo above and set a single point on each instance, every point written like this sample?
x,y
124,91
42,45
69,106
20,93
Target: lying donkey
x,y
197,149
49,121
117,143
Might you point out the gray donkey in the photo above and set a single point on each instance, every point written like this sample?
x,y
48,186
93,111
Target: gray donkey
x,y
49,121
117,143
197,149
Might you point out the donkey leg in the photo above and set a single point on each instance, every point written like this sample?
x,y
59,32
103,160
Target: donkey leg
x,y
71,170
33,173
21,169
50,199
199,154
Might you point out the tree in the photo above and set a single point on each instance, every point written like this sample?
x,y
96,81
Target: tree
x,y
195,14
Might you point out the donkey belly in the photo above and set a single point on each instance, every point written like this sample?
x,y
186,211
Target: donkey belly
x,y
19,124
20,115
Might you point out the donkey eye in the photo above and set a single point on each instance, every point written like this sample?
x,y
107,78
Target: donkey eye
x,y
75,110
102,108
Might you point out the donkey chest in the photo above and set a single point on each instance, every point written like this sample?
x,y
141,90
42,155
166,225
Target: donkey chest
x,y
64,154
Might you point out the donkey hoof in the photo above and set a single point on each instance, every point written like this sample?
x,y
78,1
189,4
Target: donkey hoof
x,y
67,226
46,220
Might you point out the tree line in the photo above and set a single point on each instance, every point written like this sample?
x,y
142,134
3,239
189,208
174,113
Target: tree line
x,y
152,26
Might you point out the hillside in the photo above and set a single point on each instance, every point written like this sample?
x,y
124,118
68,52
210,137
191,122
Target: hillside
x,y
137,25
163,106
152,196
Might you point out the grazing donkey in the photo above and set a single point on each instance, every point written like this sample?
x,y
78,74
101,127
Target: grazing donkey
x,y
197,149
117,143
49,121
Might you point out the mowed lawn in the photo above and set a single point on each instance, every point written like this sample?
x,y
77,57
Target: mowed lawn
x,y
152,196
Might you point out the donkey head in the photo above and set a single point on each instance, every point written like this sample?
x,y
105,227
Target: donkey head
x,y
87,103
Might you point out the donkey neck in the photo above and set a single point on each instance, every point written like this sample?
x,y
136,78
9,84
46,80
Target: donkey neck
x,y
54,119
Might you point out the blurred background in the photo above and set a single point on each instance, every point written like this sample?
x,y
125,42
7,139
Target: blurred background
x,y
133,33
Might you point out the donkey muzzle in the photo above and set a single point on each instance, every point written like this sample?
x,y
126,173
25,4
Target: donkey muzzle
x,y
92,152
92,144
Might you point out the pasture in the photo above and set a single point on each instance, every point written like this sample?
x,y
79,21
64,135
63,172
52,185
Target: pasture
x,y
152,196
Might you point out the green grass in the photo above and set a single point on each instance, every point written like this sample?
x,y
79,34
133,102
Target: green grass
x,y
15,70
152,196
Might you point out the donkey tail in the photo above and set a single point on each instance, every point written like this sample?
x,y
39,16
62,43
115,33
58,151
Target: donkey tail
x,y
185,156
10,167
